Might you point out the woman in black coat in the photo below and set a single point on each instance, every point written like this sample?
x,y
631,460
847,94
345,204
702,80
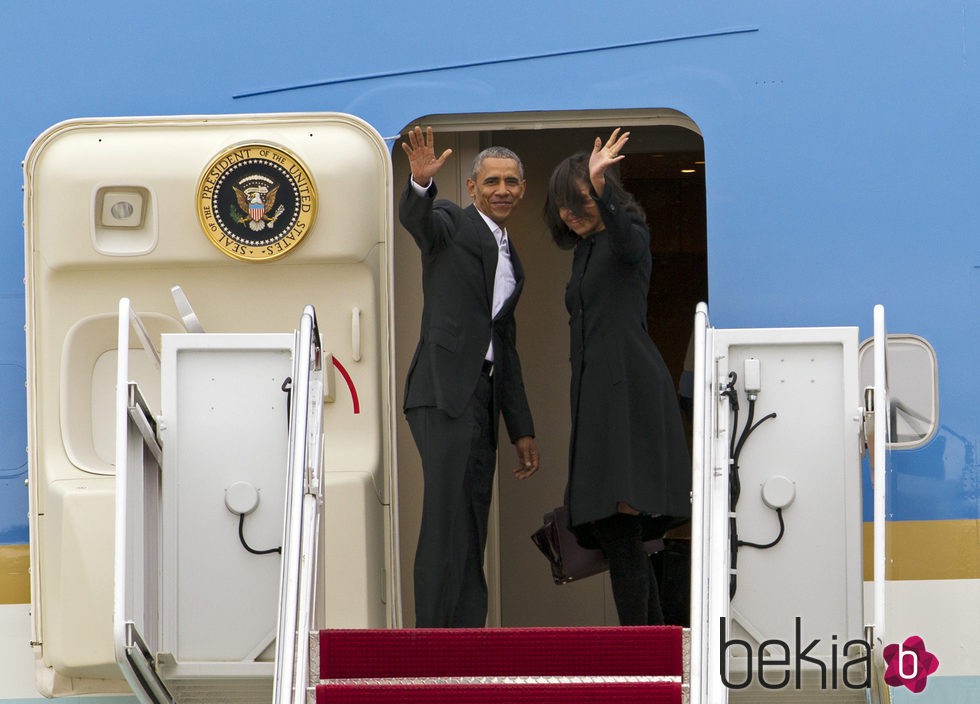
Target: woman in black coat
x,y
629,470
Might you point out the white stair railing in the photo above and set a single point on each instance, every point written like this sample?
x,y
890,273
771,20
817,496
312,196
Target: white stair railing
x,y
709,525
139,459
302,516
880,407
878,469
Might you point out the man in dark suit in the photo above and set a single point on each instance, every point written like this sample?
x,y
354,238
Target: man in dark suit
x,y
465,372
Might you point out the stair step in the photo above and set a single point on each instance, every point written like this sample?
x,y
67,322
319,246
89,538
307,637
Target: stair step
x,y
565,693
494,652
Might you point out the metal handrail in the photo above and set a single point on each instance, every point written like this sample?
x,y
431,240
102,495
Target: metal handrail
x,y
880,693
882,434
709,527
302,515
139,459
698,651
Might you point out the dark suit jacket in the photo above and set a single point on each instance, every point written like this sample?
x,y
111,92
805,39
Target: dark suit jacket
x,y
459,258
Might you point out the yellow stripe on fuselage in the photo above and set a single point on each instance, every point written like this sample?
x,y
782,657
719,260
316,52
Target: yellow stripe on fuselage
x,y
925,550
15,581
919,550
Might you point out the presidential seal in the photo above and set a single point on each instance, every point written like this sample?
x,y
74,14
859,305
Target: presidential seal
x,y
256,202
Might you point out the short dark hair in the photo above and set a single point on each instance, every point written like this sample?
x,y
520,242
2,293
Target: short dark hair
x,y
565,191
495,153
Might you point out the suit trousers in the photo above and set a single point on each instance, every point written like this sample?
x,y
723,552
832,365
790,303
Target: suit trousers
x,y
458,462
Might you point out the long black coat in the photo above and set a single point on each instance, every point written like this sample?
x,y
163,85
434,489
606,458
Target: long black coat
x,y
627,440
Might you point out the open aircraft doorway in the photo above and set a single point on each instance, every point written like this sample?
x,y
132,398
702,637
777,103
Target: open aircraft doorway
x,y
665,170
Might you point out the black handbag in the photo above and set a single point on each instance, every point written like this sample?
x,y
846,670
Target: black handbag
x,y
569,560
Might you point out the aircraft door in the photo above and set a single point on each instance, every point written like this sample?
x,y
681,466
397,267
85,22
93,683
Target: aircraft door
x,y
254,217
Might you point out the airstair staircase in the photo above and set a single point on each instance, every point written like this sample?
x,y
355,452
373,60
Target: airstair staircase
x,y
656,664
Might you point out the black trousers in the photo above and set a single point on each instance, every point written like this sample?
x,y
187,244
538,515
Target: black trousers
x,y
458,461
634,582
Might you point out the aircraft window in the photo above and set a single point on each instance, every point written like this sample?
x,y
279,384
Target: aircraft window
x,y
913,388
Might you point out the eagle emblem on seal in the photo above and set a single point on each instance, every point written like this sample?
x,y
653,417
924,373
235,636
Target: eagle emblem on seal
x,y
255,200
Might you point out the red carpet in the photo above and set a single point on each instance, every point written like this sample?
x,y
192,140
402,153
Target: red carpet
x,y
606,693
352,662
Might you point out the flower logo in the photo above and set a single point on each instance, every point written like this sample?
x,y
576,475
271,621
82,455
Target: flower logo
x,y
909,664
